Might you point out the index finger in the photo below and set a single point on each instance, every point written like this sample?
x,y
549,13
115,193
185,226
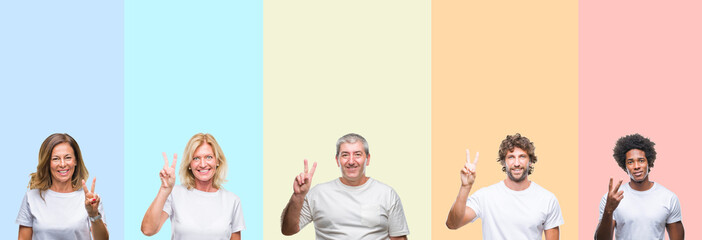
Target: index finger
x,y
175,159
165,160
305,166
467,156
476,158
610,184
85,189
92,188
618,184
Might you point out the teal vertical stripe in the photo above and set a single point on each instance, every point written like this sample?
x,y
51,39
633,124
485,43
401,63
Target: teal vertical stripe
x,y
192,67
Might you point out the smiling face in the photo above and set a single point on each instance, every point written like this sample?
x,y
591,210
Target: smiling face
x,y
203,164
62,163
352,160
637,165
517,164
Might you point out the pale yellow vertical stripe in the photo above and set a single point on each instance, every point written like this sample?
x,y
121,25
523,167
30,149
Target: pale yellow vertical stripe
x,y
501,67
334,67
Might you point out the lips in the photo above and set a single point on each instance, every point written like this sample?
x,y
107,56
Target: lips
x,y
204,171
638,174
63,172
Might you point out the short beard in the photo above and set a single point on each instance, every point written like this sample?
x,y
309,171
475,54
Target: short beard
x,y
525,172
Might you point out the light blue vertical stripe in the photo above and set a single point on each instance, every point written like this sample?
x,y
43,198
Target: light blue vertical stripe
x,y
61,70
192,67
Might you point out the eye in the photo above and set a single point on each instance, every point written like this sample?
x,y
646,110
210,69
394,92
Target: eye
x,y
54,159
209,157
357,155
196,159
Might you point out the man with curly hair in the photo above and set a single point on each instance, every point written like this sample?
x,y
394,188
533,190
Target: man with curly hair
x,y
515,208
649,209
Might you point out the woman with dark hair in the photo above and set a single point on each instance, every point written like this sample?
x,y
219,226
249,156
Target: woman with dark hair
x,y
58,205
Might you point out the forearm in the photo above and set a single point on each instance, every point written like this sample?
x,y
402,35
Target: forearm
x,y
606,228
458,210
291,215
151,223
99,230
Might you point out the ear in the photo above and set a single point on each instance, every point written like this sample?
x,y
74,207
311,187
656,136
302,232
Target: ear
x,y
337,161
368,160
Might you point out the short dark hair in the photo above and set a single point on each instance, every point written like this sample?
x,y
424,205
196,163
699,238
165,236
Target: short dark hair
x,y
634,141
516,140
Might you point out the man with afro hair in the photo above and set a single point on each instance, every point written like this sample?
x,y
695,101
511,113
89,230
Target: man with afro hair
x,y
649,209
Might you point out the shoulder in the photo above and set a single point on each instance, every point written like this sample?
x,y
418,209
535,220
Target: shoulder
x,y
32,193
496,187
380,185
538,189
323,187
665,192
229,195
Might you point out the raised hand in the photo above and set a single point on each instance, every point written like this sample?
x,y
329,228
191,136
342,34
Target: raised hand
x,y
613,196
468,171
168,172
92,199
303,181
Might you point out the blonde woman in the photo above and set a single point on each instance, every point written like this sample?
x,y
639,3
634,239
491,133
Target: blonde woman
x,y
58,205
199,208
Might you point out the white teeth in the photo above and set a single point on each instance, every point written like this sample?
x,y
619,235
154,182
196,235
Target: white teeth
x,y
64,171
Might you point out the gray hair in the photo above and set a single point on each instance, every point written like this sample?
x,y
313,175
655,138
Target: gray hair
x,y
352,138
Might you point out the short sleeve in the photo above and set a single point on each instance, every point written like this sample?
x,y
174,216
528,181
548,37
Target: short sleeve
x,y
396,218
473,202
305,213
168,206
554,217
675,214
603,203
24,217
237,224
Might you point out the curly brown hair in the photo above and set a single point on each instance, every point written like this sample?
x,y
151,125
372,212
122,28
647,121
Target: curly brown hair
x,y
508,145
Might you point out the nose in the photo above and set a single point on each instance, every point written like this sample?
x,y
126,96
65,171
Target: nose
x,y
202,163
62,163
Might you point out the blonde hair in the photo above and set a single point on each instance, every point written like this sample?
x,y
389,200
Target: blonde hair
x,y
186,176
41,179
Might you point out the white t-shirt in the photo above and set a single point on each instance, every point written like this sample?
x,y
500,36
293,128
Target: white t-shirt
x,y
509,214
196,214
370,211
644,214
57,216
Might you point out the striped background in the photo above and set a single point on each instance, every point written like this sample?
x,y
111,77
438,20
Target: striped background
x,y
278,81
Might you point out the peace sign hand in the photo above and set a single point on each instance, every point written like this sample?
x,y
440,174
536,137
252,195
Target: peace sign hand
x,y
468,171
613,196
167,174
92,199
303,181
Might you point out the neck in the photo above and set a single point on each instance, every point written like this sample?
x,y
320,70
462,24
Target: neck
x,y
205,186
354,182
62,187
641,186
517,186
